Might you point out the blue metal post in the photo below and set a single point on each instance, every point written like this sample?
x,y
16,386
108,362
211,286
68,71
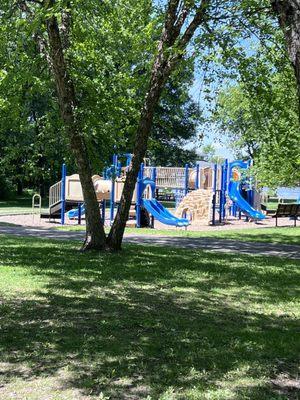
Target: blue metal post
x,y
139,196
186,179
128,160
221,195
197,186
115,160
119,169
112,193
250,194
215,194
225,187
112,200
103,211
153,191
63,194
153,177
215,177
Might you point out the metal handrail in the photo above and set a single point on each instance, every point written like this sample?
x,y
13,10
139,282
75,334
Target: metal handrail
x,y
168,177
55,193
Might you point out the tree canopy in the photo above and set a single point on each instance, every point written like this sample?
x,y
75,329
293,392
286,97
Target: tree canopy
x,y
259,116
107,76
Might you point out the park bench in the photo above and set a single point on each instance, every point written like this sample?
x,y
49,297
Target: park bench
x,y
287,211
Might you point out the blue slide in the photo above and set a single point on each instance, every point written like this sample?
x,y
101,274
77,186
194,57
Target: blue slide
x,y
235,195
158,211
74,213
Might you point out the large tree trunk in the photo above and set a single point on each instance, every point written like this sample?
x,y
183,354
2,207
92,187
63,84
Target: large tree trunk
x,y
171,48
95,235
155,88
288,12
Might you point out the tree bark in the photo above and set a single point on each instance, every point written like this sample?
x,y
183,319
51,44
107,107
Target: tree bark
x,y
155,88
170,51
95,235
288,12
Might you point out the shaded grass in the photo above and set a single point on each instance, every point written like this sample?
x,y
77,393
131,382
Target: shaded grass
x,y
147,323
285,235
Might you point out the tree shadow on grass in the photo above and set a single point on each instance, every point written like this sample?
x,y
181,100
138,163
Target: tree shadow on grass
x,y
149,319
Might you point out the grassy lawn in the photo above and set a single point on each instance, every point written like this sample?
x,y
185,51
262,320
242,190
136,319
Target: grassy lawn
x,y
19,205
284,235
272,206
267,235
150,323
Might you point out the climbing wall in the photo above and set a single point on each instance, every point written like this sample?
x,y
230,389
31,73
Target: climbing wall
x,y
197,206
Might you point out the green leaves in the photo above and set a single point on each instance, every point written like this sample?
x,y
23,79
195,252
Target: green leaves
x,y
260,118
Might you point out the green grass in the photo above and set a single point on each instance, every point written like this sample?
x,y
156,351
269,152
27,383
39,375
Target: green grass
x,y
266,235
272,206
149,323
19,205
284,235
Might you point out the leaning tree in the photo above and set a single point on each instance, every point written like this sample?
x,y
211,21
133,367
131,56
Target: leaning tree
x,y
210,22
288,12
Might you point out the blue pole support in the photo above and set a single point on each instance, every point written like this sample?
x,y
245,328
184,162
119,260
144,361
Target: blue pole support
x,y
112,193
63,194
221,195
112,200
119,169
128,160
251,191
197,186
103,211
139,196
115,160
225,187
214,194
153,177
186,179
215,177
153,191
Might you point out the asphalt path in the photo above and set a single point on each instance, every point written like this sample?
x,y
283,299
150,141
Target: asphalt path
x,y
202,243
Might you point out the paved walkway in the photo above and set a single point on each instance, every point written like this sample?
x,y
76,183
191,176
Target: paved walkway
x,y
209,243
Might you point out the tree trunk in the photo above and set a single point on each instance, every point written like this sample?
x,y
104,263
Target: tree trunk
x,y
288,12
95,235
170,51
156,86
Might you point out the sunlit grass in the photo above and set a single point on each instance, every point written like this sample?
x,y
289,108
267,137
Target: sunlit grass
x,y
19,205
285,235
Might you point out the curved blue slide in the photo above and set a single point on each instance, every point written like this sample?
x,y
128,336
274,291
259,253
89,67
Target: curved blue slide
x,y
158,211
74,213
235,195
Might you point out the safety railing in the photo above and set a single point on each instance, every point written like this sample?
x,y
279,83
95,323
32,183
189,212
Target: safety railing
x,y
55,193
167,177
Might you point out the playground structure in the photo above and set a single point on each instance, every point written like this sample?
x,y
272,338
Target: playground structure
x,y
206,193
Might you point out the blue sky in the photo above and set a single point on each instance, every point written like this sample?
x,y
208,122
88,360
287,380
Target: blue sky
x,y
211,136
